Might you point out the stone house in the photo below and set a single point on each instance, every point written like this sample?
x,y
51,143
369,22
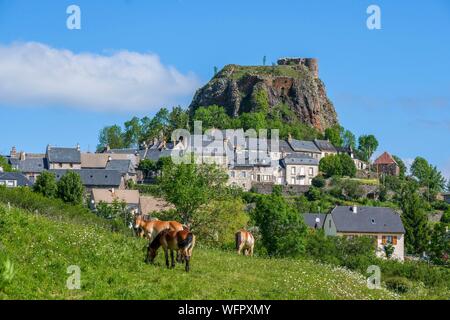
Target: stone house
x,y
306,148
96,178
63,158
300,169
386,164
384,225
108,196
325,147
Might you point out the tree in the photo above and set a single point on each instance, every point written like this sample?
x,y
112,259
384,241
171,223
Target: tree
x,y
401,165
428,176
440,244
448,185
338,165
348,140
347,165
191,186
414,218
388,250
112,137
133,132
157,127
70,188
46,184
367,145
212,117
334,135
5,165
148,167
178,119
282,228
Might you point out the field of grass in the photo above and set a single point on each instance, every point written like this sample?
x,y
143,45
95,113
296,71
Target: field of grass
x,y
112,267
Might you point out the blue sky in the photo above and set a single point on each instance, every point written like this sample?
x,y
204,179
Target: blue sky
x,y
394,82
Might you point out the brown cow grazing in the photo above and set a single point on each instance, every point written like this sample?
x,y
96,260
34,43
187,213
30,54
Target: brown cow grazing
x,y
181,241
245,241
150,229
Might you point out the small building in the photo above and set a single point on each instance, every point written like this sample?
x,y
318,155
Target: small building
x,y
300,169
96,178
306,148
384,225
325,147
150,204
108,196
14,180
314,220
386,164
359,164
63,158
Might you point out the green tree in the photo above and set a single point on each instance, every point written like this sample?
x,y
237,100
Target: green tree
x,y
414,218
111,136
133,132
440,244
401,165
330,166
347,165
349,140
70,188
191,186
212,117
148,167
178,119
46,184
334,135
368,144
157,127
261,100
448,185
5,165
428,176
282,228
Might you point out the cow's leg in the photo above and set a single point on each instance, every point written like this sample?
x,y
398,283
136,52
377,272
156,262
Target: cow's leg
x,y
251,251
187,259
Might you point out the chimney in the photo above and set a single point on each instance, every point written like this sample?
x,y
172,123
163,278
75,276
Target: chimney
x,y
290,137
316,226
13,152
78,147
1,169
109,159
113,191
22,156
355,209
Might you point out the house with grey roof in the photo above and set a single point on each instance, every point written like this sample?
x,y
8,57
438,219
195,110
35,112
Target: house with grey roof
x,y
125,167
326,148
300,169
14,180
384,225
306,148
63,158
314,220
96,178
31,167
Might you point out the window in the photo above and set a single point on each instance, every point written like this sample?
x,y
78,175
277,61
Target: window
x,y
311,171
329,224
293,170
302,171
60,165
292,180
232,174
389,240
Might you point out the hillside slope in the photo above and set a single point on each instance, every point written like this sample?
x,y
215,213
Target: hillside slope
x,y
112,268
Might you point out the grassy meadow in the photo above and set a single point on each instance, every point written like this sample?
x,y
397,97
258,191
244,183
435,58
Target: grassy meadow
x,y
112,267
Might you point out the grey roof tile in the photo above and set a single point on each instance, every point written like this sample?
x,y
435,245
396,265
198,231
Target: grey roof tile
x,y
22,181
94,177
303,146
63,155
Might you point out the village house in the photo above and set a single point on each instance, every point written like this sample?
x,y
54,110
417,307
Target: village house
x,y
13,179
314,220
386,164
96,178
109,196
306,148
63,158
325,147
300,169
384,225
150,204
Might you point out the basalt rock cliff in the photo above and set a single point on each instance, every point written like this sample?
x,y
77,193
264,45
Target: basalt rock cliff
x,y
293,82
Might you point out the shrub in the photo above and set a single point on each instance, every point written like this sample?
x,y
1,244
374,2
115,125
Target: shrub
x,y
398,284
319,181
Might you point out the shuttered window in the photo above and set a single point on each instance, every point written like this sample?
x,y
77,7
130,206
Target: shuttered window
x,y
383,240
394,240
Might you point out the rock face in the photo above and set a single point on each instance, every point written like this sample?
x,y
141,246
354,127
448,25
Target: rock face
x,y
293,82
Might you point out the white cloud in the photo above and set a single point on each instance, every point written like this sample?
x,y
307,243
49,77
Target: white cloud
x,y
34,74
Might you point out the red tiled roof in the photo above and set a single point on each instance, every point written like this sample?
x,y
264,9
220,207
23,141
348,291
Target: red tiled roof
x,y
385,158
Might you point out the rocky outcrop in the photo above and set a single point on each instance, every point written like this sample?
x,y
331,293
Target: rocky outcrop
x,y
293,82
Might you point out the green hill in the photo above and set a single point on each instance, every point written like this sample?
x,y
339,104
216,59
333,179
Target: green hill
x,y
112,267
